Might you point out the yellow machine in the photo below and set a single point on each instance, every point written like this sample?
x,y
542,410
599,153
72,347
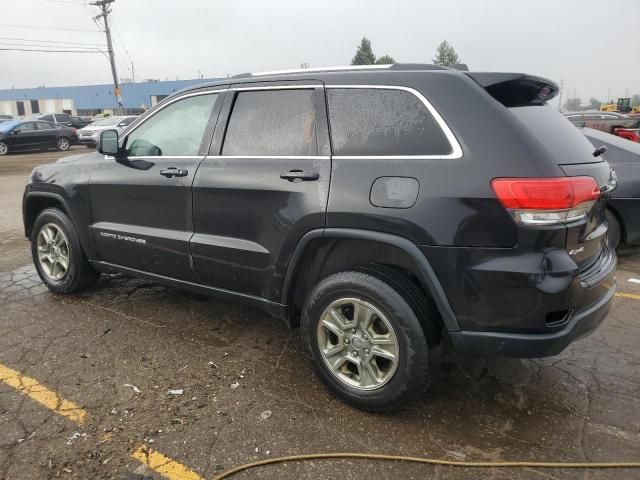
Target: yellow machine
x,y
623,106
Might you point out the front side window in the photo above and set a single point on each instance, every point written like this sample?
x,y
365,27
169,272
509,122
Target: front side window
x,y
48,118
383,122
176,130
272,122
26,127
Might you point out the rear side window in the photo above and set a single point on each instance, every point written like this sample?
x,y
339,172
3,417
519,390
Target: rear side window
x,y
63,117
558,135
272,122
383,122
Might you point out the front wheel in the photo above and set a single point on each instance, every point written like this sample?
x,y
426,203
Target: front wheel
x,y
366,338
57,254
4,148
63,144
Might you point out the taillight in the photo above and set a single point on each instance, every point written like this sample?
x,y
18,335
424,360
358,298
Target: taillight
x,y
74,131
546,201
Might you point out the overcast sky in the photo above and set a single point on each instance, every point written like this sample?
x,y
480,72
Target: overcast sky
x,y
592,45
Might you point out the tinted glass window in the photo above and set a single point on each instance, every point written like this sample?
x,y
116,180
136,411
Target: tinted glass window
x,y
45,126
560,138
26,127
275,122
176,130
48,118
371,121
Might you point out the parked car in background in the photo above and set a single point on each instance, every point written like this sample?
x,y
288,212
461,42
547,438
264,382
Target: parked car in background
x,y
4,116
623,207
57,118
632,134
81,122
604,121
90,135
18,135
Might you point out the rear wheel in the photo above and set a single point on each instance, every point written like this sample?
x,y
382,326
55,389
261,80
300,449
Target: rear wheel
x,y
4,148
366,338
63,144
614,232
57,254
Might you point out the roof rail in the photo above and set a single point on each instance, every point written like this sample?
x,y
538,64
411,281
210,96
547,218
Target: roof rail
x,y
314,69
390,66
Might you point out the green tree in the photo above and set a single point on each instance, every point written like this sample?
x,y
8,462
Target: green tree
x,y
572,105
364,54
446,55
594,103
635,100
385,59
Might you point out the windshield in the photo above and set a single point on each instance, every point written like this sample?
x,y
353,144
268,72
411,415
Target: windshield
x,y
106,122
8,125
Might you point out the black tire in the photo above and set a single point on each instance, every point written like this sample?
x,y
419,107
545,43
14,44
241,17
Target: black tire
x,y
403,306
63,144
614,232
79,275
4,148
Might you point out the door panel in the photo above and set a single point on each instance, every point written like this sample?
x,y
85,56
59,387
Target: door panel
x,y
26,137
247,218
142,204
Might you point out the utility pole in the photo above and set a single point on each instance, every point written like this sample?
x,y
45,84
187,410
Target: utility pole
x,y
104,6
560,96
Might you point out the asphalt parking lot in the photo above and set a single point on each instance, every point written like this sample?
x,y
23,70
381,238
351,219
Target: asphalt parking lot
x,y
249,391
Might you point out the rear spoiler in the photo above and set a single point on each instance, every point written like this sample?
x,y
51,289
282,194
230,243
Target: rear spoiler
x,y
516,89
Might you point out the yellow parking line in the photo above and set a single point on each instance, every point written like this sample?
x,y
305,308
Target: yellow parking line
x,y
628,295
164,465
42,394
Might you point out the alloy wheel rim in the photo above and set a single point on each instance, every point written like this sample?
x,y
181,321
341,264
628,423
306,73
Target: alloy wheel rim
x,y
53,251
63,144
358,344
3,148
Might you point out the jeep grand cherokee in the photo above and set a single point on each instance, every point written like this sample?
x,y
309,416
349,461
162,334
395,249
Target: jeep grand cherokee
x,y
378,208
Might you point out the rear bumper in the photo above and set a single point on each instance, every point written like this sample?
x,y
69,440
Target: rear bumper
x,y
523,304
532,345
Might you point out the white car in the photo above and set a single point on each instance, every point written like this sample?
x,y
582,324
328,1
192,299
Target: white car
x,y
90,135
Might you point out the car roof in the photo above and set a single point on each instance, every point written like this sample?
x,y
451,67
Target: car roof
x,y
323,74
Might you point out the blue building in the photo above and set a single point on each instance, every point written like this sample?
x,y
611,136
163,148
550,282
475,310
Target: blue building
x,y
89,99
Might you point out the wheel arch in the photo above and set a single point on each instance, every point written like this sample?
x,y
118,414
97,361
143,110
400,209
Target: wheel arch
x,y
618,216
325,251
35,202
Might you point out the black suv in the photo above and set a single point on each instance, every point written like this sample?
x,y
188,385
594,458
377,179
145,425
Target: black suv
x,y
379,209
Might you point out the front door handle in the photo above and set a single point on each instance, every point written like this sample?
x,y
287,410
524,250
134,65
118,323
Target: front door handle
x,y
174,172
300,176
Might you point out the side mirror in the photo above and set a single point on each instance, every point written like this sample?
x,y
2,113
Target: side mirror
x,y
15,132
109,143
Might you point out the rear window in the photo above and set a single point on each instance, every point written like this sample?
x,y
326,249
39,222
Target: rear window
x,y
559,136
383,122
272,123
63,117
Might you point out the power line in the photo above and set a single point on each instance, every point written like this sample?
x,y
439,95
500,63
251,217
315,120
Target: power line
x,y
49,51
53,41
30,45
50,28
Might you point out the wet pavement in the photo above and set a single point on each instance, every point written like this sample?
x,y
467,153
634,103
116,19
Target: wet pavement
x,y
249,390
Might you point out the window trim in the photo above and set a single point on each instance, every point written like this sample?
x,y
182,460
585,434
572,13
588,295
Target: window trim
x,y
304,86
162,106
456,149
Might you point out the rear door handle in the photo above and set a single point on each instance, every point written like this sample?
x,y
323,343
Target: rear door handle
x,y
300,176
174,172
